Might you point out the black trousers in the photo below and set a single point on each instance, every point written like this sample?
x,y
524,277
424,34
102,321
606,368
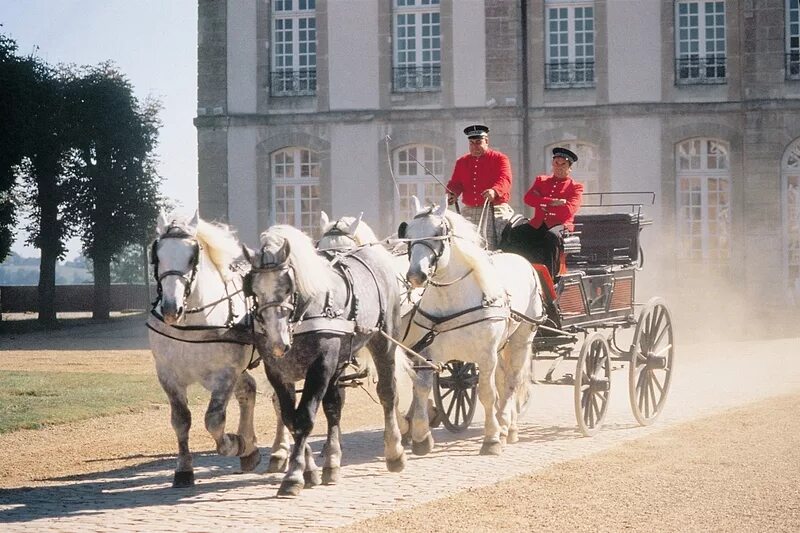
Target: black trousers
x,y
537,245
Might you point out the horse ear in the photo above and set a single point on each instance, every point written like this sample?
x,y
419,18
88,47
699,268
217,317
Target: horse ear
x,y
323,220
161,222
401,230
417,205
441,208
195,219
248,253
354,226
283,253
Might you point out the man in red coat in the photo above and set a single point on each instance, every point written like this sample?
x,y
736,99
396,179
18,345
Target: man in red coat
x,y
482,174
555,199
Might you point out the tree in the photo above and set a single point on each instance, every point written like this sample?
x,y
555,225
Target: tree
x,y
17,79
117,195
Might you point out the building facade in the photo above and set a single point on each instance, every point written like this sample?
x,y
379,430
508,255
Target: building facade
x,y
350,106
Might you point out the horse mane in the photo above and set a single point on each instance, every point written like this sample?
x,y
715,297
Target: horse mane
x,y
311,270
469,245
217,239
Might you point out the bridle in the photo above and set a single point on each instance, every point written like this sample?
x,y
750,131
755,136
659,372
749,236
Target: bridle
x,y
443,238
176,232
288,304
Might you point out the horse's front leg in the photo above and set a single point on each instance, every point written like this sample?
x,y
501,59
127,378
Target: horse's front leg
x,y
279,457
383,354
181,420
487,393
421,438
245,393
222,386
332,404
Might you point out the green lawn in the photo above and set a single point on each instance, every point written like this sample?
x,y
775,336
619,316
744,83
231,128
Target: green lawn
x,y
31,400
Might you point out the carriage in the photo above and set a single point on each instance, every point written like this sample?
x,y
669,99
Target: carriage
x,y
590,303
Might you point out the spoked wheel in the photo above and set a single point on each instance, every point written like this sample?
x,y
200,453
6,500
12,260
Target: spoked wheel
x,y
652,356
455,391
592,383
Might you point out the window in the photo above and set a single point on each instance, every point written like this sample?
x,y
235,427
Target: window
x,y
294,48
703,179
570,44
295,189
793,39
417,46
587,169
414,180
700,43
790,170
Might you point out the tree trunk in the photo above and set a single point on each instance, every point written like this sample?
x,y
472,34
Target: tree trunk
x,y
49,244
47,287
101,308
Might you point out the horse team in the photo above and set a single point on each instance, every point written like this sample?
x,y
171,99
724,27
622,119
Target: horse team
x,y
310,308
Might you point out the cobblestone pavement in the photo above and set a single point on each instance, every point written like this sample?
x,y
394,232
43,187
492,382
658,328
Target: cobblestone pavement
x,y
708,379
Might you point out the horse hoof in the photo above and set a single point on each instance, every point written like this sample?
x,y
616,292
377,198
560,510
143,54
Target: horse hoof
x,y
183,480
503,440
406,439
277,464
422,447
289,488
250,462
513,436
491,448
330,475
312,478
396,465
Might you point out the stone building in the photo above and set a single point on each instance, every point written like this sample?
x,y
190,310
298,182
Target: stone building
x,y
303,105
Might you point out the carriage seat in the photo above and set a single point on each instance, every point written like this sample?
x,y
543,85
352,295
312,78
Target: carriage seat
x,y
607,241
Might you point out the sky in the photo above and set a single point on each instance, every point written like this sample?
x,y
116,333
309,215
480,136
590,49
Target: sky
x,y
154,42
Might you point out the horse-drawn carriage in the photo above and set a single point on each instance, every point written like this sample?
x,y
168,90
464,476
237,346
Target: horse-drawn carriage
x,y
587,306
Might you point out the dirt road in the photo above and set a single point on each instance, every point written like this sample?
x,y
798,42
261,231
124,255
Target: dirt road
x,y
724,457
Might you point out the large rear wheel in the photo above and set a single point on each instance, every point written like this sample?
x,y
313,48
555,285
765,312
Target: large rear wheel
x,y
592,383
652,357
455,392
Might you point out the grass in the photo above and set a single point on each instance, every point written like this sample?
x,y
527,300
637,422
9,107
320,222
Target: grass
x,y
32,400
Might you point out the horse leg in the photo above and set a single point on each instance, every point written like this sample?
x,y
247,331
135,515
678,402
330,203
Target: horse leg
x,y
279,457
332,454
181,420
245,392
515,369
383,357
487,392
318,377
421,437
228,444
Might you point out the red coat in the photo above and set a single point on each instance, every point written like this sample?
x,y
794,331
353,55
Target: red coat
x,y
473,175
550,188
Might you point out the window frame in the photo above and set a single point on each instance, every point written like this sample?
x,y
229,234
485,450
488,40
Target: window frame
x,y
419,75
702,66
574,72
792,53
714,247
790,214
420,179
295,79
297,181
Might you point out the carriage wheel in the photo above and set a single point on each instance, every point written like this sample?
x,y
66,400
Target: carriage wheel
x,y
652,355
592,383
455,391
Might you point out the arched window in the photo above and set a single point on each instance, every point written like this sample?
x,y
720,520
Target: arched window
x,y
790,177
295,188
704,184
587,169
413,180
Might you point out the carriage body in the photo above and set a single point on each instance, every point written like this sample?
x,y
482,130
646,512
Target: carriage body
x,y
592,301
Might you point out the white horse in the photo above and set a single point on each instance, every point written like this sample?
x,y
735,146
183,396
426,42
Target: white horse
x,y
193,339
468,303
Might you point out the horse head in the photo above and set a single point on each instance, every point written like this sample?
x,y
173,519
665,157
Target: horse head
x,y
175,256
271,283
428,234
344,233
